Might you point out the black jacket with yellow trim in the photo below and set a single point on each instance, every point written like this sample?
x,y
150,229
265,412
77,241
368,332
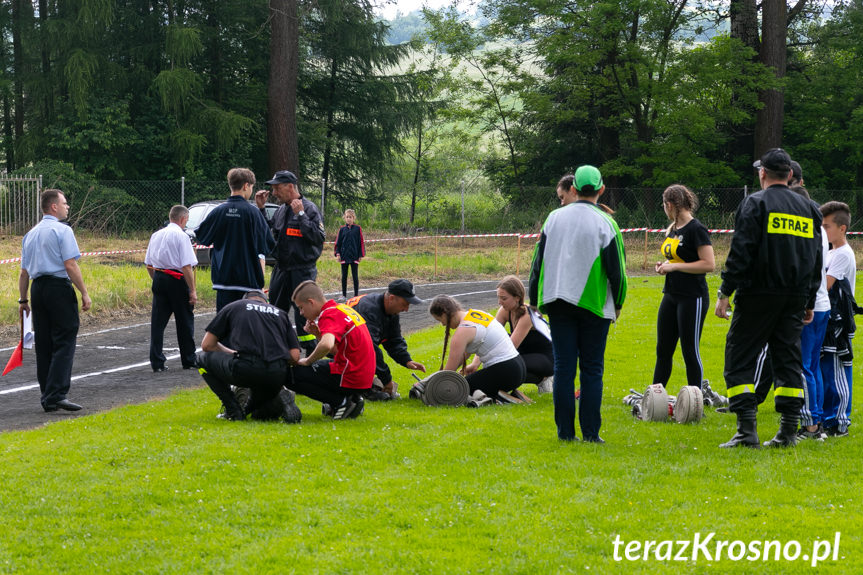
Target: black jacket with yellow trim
x,y
776,247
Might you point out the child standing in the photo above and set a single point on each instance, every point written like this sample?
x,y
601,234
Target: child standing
x,y
350,250
836,353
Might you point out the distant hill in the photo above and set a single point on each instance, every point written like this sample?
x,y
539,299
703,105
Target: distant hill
x,y
405,26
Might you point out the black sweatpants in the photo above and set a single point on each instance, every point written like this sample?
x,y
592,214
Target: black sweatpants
x,y
772,319
316,381
264,378
355,273
680,319
171,297
283,282
506,375
55,325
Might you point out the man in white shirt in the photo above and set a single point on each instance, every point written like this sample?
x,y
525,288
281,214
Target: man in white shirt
x,y
170,258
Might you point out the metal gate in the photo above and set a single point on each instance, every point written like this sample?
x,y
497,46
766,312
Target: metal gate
x,y
19,203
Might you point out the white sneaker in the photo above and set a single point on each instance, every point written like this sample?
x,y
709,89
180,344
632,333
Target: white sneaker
x,y
546,385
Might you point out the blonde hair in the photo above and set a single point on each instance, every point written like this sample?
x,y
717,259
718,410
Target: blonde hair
x,y
350,212
445,306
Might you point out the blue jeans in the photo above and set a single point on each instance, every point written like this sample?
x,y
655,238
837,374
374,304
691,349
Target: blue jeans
x,y
578,335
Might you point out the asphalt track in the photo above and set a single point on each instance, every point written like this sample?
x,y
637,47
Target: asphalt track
x,y
112,365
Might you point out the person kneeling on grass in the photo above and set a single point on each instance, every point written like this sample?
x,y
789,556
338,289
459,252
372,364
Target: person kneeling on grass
x,y
337,383
477,332
530,333
251,344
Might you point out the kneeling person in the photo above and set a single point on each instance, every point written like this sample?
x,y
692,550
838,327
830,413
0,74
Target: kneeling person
x,y
381,311
337,383
252,344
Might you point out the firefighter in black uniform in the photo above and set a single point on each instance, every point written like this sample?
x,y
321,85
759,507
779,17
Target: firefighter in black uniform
x,y
381,312
774,265
299,231
250,343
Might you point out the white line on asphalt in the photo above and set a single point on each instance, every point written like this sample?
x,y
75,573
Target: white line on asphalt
x,y
91,374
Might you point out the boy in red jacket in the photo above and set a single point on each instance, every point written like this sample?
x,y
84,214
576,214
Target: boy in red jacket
x,y
336,383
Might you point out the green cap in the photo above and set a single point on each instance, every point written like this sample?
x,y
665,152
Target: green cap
x,y
588,176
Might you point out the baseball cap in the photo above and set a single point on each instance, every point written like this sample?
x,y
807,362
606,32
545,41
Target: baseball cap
x,y
404,288
775,159
588,176
796,171
282,177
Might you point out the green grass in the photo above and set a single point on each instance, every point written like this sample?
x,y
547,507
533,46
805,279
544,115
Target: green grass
x,y
165,487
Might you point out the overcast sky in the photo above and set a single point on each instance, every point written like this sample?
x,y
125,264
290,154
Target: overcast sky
x,y
388,9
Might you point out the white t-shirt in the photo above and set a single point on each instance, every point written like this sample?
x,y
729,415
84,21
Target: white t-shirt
x,y
491,343
822,300
842,264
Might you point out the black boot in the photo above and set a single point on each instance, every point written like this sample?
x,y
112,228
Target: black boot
x,y
787,434
747,432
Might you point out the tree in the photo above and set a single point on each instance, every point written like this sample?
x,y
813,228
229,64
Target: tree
x,y
355,106
283,147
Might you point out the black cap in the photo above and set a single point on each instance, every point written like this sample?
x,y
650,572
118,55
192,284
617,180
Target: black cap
x,y
405,289
282,177
776,160
796,172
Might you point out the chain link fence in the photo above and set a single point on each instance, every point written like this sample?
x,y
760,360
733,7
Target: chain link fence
x,y
134,208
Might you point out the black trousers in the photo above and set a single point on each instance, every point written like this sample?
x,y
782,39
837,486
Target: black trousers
x,y
316,381
537,366
171,297
55,323
680,318
222,370
283,282
226,296
506,375
776,320
355,273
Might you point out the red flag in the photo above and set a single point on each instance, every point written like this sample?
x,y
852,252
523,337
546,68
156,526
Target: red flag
x,y
16,359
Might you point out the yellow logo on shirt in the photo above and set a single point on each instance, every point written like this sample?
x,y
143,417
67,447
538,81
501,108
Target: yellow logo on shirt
x,y
479,317
669,250
351,313
789,224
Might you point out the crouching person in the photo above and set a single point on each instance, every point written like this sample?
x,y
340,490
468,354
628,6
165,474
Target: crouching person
x,y
251,344
340,382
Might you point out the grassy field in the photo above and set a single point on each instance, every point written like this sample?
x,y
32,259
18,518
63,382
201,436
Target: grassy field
x,y
165,487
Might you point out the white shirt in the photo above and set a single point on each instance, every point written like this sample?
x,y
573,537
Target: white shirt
x,y
842,264
822,300
170,249
491,343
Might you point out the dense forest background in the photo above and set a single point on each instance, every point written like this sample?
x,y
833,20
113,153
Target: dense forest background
x,y
418,111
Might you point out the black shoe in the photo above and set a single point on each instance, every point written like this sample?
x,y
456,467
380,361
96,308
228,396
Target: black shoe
x,y
804,433
359,407
596,439
232,414
747,432
341,411
159,369
835,432
377,395
67,405
290,412
787,434
193,366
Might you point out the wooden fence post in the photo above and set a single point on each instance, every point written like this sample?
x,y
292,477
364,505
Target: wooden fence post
x,y
518,255
645,248
435,257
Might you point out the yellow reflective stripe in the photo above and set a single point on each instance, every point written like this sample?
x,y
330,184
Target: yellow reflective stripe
x,y
779,223
738,389
307,337
202,371
787,392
